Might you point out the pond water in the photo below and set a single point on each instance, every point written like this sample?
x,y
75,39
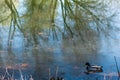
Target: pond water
x,y
30,46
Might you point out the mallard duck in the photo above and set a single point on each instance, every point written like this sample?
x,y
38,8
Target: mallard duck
x,y
92,67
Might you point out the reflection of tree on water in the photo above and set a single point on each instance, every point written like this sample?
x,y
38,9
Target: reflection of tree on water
x,y
14,19
80,18
77,24
82,21
38,24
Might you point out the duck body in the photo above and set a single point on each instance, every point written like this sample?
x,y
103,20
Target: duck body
x,y
93,68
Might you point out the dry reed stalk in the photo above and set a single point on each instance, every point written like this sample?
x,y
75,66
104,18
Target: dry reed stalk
x,y
104,76
31,77
56,75
21,75
49,73
117,68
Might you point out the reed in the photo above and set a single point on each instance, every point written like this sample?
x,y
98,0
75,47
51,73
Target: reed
x,y
49,74
10,76
56,75
117,68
